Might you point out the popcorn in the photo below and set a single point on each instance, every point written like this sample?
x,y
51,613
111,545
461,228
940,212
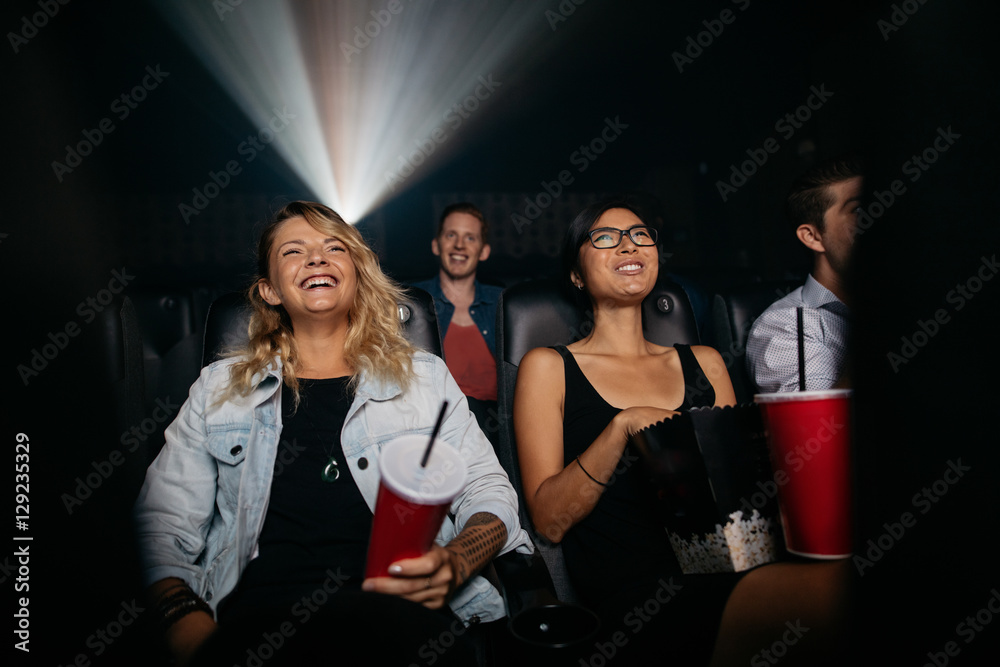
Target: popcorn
x,y
739,545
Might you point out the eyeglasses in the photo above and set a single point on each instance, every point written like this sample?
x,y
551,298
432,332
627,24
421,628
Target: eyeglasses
x,y
611,237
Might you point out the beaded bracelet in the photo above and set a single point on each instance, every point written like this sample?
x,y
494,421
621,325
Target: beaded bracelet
x,y
173,607
168,601
588,474
183,608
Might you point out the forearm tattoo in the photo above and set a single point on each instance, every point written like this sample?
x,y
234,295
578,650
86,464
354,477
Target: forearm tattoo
x,y
481,538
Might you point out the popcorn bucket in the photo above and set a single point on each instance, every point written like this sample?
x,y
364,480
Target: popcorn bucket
x,y
711,483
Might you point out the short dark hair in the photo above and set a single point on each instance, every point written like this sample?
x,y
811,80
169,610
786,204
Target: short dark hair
x,y
810,195
577,234
469,208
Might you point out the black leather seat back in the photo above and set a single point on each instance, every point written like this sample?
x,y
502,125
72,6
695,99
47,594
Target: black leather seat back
x,y
122,350
420,325
229,316
539,313
115,352
733,313
225,326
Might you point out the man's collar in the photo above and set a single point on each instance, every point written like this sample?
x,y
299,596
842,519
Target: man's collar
x,y
815,295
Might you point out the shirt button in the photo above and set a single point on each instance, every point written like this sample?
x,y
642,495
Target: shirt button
x,y
484,332
362,463
208,596
236,450
474,620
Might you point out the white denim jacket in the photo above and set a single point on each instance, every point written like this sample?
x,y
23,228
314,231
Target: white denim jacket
x,y
201,509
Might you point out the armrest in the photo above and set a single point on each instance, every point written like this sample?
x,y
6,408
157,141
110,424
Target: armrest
x,y
535,615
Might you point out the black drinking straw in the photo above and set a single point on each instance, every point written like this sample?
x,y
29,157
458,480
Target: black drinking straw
x,y
802,350
437,427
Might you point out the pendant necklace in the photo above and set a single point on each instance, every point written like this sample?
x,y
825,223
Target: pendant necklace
x,y
331,471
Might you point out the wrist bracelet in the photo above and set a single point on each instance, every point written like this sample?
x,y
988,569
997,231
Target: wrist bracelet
x,y
171,608
588,474
188,606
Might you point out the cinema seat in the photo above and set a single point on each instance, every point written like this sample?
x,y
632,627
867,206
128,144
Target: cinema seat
x,y
733,313
117,329
171,349
540,313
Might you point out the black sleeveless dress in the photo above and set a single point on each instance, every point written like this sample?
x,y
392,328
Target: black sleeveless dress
x,y
619,557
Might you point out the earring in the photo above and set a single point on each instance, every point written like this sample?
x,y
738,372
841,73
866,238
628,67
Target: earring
x,y
580,287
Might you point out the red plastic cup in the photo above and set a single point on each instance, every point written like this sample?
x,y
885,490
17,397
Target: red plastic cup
x,y
809,437
412,501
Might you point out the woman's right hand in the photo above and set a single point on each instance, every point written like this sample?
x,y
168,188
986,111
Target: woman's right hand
x,y
633,420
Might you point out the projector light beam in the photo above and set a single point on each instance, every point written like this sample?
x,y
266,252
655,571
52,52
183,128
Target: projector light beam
x,y
378,90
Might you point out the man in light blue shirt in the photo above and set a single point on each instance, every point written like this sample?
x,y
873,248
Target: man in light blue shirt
x,y
823,208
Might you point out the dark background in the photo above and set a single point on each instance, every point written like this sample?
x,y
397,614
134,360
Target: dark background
x,y
609,59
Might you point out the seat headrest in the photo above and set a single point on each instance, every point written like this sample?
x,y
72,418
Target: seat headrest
x,y
735,309
539,313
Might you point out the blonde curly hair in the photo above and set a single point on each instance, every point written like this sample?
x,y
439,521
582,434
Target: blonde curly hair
x,y
375,345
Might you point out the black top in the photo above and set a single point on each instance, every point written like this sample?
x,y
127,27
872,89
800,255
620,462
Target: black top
x,y
313,529
620,541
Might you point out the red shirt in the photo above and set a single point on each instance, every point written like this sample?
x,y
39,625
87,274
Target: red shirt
x,y
471,362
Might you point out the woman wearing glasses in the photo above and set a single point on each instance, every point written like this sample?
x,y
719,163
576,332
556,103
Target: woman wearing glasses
x,y
575,408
